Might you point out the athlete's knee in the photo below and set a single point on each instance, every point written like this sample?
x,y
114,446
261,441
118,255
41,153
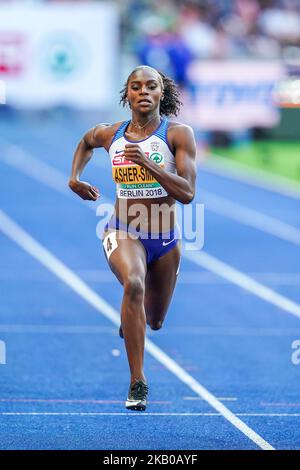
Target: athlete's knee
x,y
156,325
134,287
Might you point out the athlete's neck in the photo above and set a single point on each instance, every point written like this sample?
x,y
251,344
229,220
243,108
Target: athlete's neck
x,y
143,123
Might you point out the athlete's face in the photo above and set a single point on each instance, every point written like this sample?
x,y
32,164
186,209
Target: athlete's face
x,y
144,91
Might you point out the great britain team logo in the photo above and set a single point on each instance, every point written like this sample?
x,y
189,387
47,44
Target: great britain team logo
x,y
154,146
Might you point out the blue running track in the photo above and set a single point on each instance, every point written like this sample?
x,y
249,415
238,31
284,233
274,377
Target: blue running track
x,y
66,375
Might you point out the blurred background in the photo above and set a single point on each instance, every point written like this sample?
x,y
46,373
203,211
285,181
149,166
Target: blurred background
x,y
237,64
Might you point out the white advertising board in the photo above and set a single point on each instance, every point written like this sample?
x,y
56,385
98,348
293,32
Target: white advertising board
x,y
232,95
52,54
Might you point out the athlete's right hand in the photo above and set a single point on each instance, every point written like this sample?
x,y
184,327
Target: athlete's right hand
x,y
85,190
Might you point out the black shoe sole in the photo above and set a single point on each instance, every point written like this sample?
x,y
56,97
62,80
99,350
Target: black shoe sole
x,y
136,408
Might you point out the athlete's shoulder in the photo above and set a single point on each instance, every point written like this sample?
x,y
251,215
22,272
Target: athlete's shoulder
x,y
102,134
179,133
106,129
179,126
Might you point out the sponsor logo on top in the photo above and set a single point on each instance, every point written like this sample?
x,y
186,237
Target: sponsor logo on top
x,y
120,160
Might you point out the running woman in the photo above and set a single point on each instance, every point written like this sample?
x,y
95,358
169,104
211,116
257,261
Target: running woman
x,y
153,166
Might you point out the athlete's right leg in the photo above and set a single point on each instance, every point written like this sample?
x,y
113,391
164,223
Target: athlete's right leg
x,y
127,260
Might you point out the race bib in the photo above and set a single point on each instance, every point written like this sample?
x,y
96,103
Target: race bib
x,y
110,243
135,181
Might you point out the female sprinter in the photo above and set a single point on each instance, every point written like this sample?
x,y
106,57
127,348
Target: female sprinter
x,y
153,165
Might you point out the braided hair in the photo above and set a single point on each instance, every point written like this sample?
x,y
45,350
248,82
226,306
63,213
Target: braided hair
x,y
170,104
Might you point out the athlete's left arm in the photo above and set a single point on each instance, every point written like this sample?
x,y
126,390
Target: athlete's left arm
x,y
182,185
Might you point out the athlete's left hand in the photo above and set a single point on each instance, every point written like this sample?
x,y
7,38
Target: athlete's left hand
x,y
134,153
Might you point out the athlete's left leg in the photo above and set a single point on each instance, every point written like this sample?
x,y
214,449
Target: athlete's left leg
x,y
159,286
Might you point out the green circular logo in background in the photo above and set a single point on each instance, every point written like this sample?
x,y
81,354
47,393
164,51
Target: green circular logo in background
x,y
62,54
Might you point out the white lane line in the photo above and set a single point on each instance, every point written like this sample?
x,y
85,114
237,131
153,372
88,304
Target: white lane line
x,y
228,331
128,413
202,259
34,168
219,398
242,280
251,217
186,277
59,329
171,330
61,401
13,231
40,171
253,177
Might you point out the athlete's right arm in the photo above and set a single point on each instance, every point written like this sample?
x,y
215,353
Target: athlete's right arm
x,y
94,138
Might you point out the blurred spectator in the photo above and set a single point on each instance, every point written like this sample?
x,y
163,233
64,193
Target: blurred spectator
x,y
209,29
282,24
198,35
166,51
